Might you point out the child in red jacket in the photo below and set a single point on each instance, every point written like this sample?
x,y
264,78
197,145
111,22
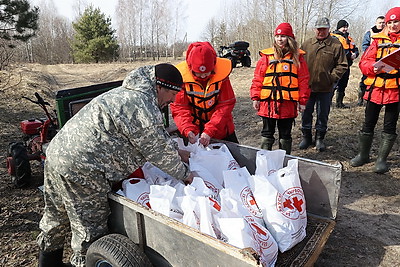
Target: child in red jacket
x,y
203,110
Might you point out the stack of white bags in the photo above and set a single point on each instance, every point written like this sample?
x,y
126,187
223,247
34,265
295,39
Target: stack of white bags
x,y
264,211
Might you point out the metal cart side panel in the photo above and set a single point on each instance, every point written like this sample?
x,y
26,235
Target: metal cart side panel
x,y
169,241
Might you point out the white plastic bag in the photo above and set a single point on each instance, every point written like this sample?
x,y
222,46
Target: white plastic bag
x,y
281,200
199,208
155,176
215,159
268,162
245,232
138,190
193,148
236,181
161,198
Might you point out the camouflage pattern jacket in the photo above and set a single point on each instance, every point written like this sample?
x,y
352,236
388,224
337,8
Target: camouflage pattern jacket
x,y
116,133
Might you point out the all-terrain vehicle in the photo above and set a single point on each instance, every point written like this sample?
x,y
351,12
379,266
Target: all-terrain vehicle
x,y
236,52
37,134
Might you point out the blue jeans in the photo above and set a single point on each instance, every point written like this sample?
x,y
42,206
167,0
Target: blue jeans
x,y
322,104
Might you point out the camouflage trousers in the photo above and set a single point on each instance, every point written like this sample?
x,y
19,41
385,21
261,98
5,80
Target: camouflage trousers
x,y
75,201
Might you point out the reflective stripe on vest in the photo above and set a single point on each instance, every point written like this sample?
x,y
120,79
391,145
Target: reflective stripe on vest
x,y
387,80
280,81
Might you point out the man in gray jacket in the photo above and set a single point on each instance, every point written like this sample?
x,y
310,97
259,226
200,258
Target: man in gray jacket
x,y
107,140
326,60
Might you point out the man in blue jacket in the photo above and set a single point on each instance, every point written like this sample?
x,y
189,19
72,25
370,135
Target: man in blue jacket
x,y
379,25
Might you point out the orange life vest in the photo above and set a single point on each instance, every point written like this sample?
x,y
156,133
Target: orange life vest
x,y
348,44
387,80
203,100
280,81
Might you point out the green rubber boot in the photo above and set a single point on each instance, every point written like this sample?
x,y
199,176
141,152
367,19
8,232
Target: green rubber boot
x,y
364,147
384,150
286,144
267,143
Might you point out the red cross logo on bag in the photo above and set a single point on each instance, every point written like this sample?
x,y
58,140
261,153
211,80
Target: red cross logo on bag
x,y
260,234
291,203
249,202
144,199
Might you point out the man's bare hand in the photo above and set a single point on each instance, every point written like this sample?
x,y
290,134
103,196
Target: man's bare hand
x,y
185,155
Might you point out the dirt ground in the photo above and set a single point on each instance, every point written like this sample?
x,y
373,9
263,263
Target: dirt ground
x,y
367,232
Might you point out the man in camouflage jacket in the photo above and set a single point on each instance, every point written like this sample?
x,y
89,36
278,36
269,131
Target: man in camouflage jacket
x,y
108,139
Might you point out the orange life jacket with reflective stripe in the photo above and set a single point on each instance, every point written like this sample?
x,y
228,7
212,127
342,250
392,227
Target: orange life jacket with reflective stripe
x,y
347,44
203,100
281,79
387,80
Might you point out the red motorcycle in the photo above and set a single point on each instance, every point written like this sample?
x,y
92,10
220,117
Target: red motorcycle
x,y
37,135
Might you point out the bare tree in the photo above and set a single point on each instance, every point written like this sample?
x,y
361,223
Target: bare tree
x,y
51,45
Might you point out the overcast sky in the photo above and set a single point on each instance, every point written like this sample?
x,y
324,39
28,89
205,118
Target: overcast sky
x,y
200,11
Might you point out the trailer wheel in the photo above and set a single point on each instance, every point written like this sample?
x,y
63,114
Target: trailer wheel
x,y
22,167
115,250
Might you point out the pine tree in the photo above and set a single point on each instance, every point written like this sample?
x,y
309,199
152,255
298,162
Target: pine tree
x,y
94,40
17,20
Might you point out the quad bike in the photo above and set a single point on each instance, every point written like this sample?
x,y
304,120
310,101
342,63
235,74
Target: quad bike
x,y
37,135
236,52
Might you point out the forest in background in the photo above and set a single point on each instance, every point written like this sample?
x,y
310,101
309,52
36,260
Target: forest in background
x,y
156,29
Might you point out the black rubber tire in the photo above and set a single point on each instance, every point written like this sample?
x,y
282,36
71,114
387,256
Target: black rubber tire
x,y
23,171
246,62
116,250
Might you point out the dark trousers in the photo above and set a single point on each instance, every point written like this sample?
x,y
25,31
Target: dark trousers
x,y
232,138
390,118
284,127
342,83
322,104
363,87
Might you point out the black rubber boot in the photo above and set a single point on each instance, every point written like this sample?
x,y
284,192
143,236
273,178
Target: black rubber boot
x,y
360,101
267,143
384,150
286,144
307,139
319,141
364,147
339,100
51,258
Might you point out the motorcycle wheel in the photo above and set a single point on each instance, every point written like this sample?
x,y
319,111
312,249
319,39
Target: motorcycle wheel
x,y
22,166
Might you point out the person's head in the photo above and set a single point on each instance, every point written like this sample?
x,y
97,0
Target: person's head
x,y
201,59
168,82
342,26
321,28
392,20
380,22
282,33
285,42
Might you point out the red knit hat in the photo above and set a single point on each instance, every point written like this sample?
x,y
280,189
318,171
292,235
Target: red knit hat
x,y
284,29
201,57
393,14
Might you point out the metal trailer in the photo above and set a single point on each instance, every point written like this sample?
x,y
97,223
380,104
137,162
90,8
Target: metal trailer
x,y
167,242
148,237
